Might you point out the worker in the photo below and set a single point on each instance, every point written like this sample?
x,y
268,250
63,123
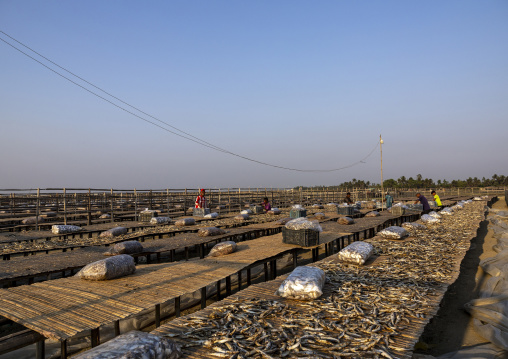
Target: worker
x,y
348,199
437,199
389,200
421,198
201,200
266,205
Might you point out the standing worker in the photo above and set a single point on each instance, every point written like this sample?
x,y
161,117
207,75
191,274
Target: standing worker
x,y
389,200
348,199
437,199
201,200
424,202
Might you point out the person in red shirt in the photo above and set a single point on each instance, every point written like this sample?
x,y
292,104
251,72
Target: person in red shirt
x,y
201,200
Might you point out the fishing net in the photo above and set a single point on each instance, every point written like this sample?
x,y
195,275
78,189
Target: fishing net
x,y
345,220
320,216
413,225
109,268
62,228
33,220
127,247
160,220
185,222
356,252
113,232
134,345
283,221
447,211
210,231
242,217
394,232
304,283
303,223
429,219
222,249
435,215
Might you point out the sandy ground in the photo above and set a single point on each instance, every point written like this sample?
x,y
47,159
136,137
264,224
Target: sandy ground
x,y
452,328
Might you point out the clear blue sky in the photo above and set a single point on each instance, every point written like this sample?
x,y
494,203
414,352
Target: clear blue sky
x,y
294,83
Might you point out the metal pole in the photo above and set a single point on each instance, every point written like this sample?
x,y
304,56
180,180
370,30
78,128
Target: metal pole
x,y
382,188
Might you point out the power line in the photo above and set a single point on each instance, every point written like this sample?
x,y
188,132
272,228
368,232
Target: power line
x,y
182,134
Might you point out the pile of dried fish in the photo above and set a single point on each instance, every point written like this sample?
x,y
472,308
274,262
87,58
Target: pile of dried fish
x,y
363,310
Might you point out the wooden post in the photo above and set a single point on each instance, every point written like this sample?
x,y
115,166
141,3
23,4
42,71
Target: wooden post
x,y
157,315
220,201
167,199
63,349
112,214
229,200
185,203
37,209
40,349
65,205
89,208
117,328
95,337
135,205
239,199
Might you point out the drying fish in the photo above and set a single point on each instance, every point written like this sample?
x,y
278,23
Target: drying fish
x,y
365,309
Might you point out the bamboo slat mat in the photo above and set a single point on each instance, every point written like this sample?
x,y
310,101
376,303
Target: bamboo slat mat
x,y
19,267
62,308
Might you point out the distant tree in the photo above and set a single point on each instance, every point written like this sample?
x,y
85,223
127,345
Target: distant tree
x,y
390,183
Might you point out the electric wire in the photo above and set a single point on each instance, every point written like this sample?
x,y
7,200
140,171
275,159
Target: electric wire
x,y
185,135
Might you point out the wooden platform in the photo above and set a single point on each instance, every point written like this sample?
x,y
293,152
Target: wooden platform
x,y
62,308
403,340
24,269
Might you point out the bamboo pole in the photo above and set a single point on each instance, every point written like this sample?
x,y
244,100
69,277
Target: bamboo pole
x,y
65,205
37,209
112,210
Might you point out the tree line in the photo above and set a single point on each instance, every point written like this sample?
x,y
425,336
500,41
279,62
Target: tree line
x,y
420,182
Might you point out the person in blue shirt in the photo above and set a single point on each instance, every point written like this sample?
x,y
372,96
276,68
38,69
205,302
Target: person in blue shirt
x,y
389,200
424,202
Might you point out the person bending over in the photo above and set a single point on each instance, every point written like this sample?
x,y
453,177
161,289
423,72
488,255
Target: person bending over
x,y
421,198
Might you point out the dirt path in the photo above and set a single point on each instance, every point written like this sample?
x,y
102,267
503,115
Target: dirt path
x,y
452,328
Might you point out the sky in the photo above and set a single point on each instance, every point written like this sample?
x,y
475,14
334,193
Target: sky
x,y
296,84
